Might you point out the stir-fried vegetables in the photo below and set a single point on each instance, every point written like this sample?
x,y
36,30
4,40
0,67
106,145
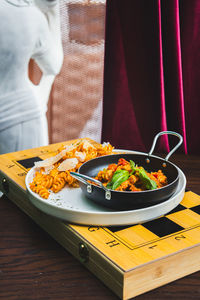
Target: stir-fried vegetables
x,y
127,176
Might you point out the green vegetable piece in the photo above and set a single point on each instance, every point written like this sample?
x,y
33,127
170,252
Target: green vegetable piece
x,y
117,179
148,182
133,167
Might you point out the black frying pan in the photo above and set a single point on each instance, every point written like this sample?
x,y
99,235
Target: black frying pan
x,y
125,200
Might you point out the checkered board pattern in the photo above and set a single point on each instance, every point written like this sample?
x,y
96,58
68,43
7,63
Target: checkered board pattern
x,y
170,233
142,243
182,219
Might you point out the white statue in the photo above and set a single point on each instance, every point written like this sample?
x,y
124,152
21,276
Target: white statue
x,y
28,29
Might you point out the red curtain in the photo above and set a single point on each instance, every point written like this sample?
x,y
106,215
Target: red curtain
x,y
152,73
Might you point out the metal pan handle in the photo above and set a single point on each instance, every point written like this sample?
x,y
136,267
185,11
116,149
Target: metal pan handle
x,y
84,179
173,150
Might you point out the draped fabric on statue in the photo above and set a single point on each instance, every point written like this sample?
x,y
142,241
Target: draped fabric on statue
x,y
152,73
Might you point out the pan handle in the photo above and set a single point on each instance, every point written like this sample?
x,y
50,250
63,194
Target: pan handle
x,y
84,179
173,150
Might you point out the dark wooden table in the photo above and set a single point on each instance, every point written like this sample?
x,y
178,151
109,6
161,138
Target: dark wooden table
x,y
34,266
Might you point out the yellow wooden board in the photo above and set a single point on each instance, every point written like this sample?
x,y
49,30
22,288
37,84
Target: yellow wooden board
x,y
145,254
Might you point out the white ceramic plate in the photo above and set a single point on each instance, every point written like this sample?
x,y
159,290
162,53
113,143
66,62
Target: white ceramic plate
x,y
71,205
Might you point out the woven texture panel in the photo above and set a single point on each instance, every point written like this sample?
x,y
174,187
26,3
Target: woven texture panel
x,y
75,104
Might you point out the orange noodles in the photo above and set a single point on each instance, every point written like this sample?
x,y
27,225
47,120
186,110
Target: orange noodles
x,y
54,173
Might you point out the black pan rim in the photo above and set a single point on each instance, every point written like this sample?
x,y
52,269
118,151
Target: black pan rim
x,y
135,153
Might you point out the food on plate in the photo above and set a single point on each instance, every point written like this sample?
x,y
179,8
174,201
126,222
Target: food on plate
x,y
127,176
53,173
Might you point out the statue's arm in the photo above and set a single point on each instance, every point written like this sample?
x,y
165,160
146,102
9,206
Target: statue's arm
x,y
51,62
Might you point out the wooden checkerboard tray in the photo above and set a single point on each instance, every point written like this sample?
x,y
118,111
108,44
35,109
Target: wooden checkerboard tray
x,y
130,260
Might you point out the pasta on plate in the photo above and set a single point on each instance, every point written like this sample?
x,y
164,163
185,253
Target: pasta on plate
x,y
53,174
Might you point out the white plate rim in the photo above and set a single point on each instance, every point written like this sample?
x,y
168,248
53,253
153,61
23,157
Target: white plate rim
x,y
89,218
